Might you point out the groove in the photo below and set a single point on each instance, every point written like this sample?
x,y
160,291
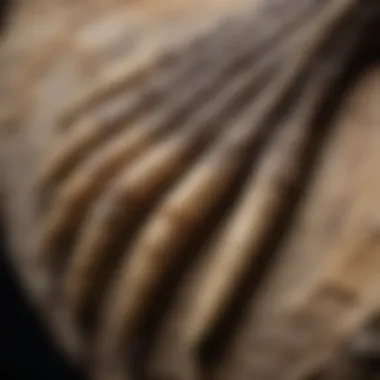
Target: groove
x,y
63,219
95,245
212,119
61,222
74,150
250,137
214,347
277,115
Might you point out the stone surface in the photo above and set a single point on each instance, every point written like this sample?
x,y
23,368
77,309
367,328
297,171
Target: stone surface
x,y
191,190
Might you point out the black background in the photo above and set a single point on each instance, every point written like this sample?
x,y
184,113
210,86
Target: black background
x,y
25,349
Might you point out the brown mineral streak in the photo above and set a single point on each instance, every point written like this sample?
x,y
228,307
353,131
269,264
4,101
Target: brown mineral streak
x,y
186,144
270,180
157,165
194,132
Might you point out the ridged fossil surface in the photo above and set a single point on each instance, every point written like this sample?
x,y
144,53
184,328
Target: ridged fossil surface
x,y
191,190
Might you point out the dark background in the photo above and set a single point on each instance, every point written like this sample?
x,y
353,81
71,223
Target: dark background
x,y
25,350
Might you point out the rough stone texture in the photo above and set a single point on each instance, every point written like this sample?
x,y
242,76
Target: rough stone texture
x,y
191,189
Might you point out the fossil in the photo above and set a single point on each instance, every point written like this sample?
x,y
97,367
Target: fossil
x,y
191,189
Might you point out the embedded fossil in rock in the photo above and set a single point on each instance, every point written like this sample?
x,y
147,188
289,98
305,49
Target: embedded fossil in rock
x,y
191,190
